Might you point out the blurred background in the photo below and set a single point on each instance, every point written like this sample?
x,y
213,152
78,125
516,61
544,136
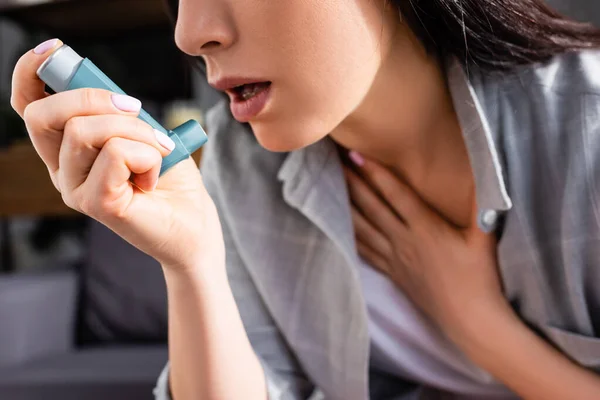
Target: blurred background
x,y
83,313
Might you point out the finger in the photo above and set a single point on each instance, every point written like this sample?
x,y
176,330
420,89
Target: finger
x,y
401,197
107,189
84,138
126,157
371,206
46,118
369,235
27,87
372,258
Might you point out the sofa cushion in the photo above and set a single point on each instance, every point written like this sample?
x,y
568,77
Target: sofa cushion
x,y
123,297
115,373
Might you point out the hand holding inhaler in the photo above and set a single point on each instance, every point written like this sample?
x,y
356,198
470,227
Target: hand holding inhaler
x,y
67,70
105,155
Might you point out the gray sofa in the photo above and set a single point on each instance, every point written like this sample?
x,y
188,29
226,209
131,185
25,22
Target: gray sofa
x,y
582,10
96,331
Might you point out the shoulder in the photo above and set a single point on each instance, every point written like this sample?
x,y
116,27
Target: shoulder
x,y
553,103
573,73
545,122
569,74
557,91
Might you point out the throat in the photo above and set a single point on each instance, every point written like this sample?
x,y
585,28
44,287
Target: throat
x,y
446,183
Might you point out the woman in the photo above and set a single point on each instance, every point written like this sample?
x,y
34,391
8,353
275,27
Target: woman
x,y
453,252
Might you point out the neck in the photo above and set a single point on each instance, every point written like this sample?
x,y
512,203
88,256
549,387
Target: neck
x,y
409,119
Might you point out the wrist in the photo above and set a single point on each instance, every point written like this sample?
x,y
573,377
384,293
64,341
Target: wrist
x,y
202,273
484,327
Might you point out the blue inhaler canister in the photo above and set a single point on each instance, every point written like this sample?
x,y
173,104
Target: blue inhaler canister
x,y
67,70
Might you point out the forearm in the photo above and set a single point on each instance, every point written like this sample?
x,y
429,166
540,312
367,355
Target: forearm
x,y
209,351
532,368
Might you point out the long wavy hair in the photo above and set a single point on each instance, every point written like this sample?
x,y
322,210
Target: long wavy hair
x,y
488,34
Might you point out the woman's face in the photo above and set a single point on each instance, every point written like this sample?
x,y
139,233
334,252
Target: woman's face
x,y
314,60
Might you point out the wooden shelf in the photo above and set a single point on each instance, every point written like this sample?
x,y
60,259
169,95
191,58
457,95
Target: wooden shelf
x,y
87,17
25,185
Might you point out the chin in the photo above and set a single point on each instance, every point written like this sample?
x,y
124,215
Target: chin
x,y
285,136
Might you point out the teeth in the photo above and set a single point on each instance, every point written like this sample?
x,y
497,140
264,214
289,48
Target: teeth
x,y
250,91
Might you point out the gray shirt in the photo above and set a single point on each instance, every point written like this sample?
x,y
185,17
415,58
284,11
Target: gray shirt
x,y
533,137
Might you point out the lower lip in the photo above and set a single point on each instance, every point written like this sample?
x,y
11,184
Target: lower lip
x,y
245,110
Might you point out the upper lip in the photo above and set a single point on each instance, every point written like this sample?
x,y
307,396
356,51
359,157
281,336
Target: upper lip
x,y
228,83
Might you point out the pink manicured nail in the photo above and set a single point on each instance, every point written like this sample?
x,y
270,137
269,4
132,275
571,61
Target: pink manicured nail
x,y
164,140
126,103
356,158
45,46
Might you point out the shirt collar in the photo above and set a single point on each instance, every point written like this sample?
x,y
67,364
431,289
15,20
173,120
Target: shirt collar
x,y
483,155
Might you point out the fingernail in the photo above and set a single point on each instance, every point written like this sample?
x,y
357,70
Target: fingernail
x,y
126,103
45,46
155,185
356,158
164,140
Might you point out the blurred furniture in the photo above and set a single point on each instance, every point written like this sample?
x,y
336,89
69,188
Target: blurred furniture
x,y
27,188
120,36
98,329
582,10
94,332
86,17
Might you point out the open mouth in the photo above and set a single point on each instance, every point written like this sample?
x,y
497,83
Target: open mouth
x,y
250,90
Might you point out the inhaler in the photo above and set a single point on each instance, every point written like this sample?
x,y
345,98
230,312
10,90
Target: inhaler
x,y
67,70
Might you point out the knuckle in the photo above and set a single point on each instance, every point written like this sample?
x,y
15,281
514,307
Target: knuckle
x,y
104,208
90,98
15,103
138,125
70,200
33,118
112,149
142,128
54,179
156,156
75,128
29,113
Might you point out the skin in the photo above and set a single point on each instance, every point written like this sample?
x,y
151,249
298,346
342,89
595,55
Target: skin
x,y
345,68
457,285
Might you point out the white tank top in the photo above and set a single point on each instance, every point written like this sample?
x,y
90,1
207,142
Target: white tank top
x,y
406,344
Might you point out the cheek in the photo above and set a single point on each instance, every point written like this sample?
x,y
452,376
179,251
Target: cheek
x,y
314,101
312,106
327,57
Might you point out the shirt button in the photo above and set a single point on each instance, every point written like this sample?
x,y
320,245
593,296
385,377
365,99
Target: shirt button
x,y
488,220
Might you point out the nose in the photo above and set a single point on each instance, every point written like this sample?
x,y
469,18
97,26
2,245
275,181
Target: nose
x,y
203,27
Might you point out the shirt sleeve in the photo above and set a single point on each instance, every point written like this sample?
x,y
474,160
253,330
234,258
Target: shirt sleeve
x,y
278,388
284,376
